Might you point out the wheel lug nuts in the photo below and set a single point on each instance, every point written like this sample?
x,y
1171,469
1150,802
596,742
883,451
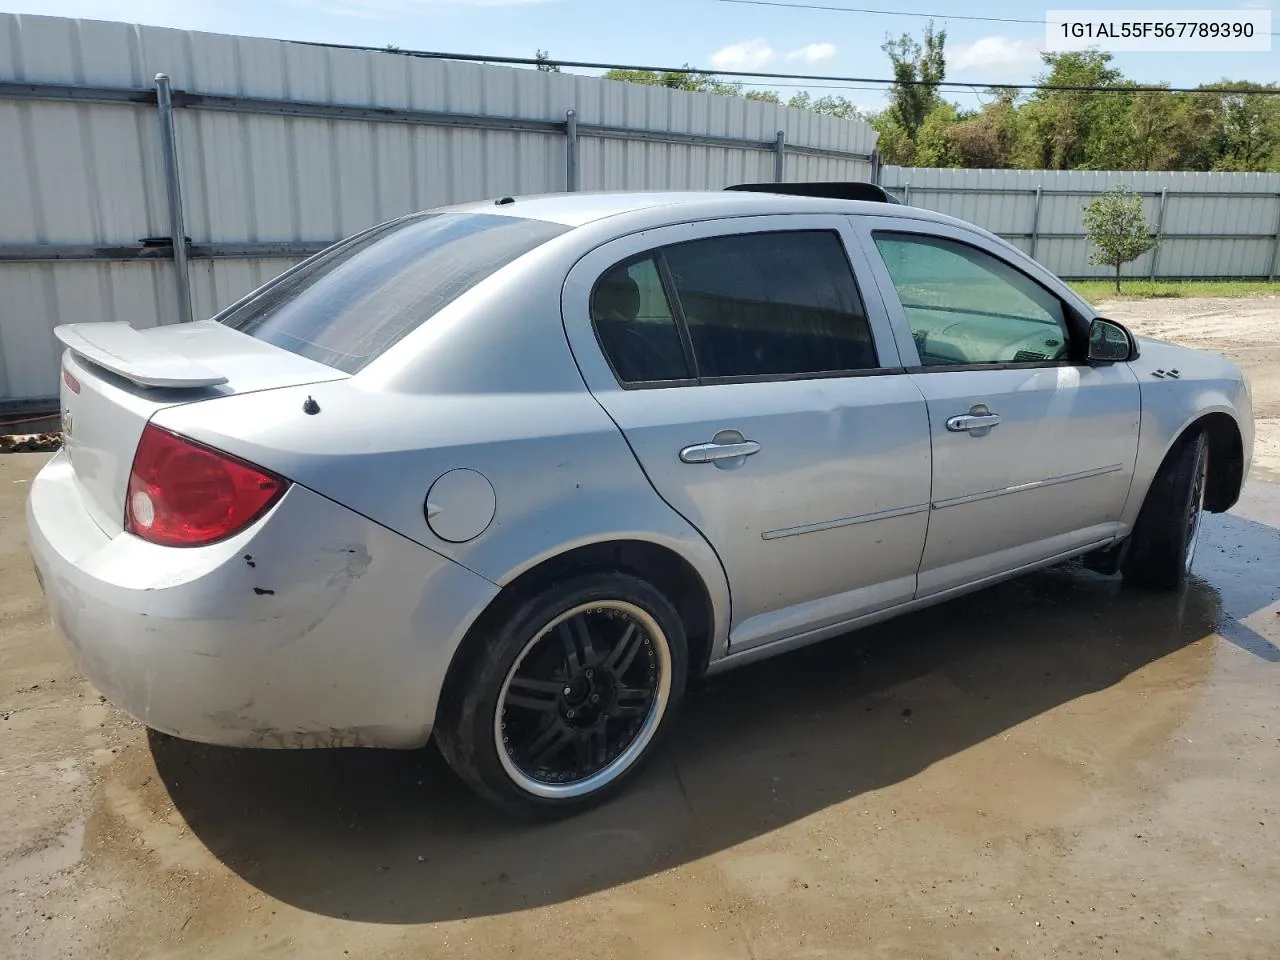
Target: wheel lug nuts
x,y
590,673
568,690
569,714
595,698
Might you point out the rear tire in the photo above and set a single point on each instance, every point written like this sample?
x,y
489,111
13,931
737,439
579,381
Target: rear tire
x,y
560,701
1163,544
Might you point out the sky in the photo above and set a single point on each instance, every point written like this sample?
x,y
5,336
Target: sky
x,y
704,33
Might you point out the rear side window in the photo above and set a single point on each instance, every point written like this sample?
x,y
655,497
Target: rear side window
x,y
771,304
348,305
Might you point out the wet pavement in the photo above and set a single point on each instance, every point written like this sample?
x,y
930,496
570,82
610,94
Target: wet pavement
x,y
1060,765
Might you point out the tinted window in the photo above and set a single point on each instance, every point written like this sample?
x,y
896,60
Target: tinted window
x,y
768,304
635,325
966,306
348,304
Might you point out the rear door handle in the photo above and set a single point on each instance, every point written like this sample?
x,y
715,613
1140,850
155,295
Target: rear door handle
x,y
710,452
973,421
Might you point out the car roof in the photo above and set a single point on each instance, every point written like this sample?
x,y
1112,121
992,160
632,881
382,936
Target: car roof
x,y
579,209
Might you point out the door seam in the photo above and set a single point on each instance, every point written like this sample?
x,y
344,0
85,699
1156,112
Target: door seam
x,y
568,345
928,514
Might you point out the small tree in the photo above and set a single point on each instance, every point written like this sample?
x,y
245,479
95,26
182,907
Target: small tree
x,y
1117,229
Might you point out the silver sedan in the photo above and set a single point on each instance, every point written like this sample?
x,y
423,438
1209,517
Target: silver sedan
x,y
511,474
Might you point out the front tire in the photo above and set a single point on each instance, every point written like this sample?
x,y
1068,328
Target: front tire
x,y
1163,544
561,700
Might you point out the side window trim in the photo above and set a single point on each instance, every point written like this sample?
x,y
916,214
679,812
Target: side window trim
x,y
866,230
677,310
594,263
676,305
681,318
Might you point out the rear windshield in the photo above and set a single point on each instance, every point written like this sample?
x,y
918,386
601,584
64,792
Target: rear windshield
x,y
348,305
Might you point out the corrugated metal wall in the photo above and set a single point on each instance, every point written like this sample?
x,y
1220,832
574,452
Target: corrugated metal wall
x,y
1213,224
92,173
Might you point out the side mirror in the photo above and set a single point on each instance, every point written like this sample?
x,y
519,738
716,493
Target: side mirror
x,y
1110,343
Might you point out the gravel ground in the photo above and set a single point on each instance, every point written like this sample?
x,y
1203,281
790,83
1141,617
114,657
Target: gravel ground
x,y
1246,330
1058,766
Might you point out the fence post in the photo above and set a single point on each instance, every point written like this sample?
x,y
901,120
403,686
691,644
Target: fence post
x,y
1275,249
906,194
571,151
877,166
780,157
1155,252
173,193
1035,221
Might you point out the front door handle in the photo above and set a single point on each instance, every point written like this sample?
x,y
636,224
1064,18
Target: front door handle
x,y
710,452
972,421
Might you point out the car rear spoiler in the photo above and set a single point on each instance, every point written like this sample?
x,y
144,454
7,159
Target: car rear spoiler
x,y
125,351
832,190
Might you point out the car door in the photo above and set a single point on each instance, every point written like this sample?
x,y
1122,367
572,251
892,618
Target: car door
x,y
763,396
1033,448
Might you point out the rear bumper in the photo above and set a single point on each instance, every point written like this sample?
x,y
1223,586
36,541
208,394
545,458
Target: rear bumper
x,y
313,628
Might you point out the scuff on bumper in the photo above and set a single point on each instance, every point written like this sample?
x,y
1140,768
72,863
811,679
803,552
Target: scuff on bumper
x,y
313,628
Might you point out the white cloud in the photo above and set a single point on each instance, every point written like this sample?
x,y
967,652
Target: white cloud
x,y
757,53
747,55
814,53
994,55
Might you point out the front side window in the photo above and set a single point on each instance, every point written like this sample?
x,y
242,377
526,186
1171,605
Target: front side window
x,y
771,304
349,304
965,306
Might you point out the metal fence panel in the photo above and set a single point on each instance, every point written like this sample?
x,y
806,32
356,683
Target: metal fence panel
x,y
1211,224
38,296
288,143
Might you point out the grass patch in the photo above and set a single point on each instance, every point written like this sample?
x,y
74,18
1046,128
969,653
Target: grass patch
x,y
1096,291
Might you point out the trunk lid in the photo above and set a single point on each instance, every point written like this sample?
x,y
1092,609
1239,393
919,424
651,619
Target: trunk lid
x,y
115,378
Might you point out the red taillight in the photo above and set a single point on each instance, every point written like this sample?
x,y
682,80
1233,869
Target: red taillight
x,y
72,383
183,494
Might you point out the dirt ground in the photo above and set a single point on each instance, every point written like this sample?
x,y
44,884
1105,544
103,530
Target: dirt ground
x,y
1246,330
1058,766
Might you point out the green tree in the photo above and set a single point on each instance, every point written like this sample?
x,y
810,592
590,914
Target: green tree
x,y
836,107
934,144
1246,134
1117,229
917,70
831,106
544,62
1073,129
986,140
687,79
893,142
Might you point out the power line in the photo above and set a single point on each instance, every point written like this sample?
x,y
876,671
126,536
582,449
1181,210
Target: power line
x,y
746,75
884,13
889,13
812,86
